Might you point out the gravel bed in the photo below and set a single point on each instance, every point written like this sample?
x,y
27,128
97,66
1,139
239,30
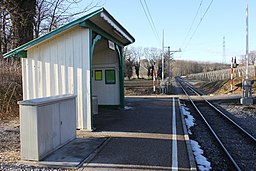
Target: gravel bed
x,y
10,148
239,147
212,152
245,116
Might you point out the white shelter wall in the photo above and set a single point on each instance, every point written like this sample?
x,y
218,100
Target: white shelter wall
x,y
61,65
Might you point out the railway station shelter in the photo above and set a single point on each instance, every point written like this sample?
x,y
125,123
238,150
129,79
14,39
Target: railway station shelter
x,y
83,57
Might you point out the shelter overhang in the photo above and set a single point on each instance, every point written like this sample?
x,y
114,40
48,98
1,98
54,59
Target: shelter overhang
x,y
116,27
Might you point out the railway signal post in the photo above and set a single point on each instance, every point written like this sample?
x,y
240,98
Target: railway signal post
x,y
247,83
154,77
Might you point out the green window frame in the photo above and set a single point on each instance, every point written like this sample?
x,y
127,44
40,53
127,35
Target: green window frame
x,y
98,75
110,76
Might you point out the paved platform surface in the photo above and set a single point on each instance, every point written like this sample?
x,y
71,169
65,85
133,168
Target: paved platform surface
x,y
147,135
141,137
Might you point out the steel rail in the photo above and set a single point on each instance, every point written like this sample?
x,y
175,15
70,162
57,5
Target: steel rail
x,y
212,131
219,111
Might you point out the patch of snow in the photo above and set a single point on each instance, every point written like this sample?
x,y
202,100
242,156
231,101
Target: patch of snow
x,y
128,108
189,119
201,161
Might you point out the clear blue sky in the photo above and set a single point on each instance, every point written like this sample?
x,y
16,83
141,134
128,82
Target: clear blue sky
x,y
224,18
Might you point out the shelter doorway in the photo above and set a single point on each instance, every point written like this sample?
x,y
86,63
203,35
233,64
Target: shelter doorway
x,y
105,74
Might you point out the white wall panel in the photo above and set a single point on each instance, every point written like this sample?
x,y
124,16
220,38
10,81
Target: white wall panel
x,y
24,78
54,68
40,77
87,102
60,66
47,80
79,95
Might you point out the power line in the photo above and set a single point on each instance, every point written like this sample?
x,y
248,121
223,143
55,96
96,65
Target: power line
x,y
198,24
150,19
192,24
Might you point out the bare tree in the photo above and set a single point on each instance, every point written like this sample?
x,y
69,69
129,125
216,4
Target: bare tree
x,y
50,14
6,34
137,54
22,13
137,68
252,57
152,54
128,63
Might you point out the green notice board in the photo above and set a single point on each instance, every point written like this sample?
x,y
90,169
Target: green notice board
x,y
110,76
98,75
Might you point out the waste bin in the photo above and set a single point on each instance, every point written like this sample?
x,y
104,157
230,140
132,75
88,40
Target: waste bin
x,y
94,105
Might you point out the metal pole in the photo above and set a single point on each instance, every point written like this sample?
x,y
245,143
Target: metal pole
x,y
154,77
231,75
247,46
169,66
247,84
163,59
162,85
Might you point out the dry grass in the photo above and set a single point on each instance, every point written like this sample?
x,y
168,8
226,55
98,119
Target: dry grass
x,y
10,88
135,87
223,87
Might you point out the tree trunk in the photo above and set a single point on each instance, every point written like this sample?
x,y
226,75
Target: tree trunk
x,y
22,14
1,33
4,36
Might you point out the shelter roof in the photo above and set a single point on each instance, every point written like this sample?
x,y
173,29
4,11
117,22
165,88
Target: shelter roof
x,y
99,19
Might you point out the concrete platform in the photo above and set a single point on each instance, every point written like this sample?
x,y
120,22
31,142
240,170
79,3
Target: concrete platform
x,y
142,137
71,155
148,135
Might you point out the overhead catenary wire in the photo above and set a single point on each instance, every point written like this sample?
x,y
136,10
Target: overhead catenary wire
x,y
198,25
150,19
192,24
154,26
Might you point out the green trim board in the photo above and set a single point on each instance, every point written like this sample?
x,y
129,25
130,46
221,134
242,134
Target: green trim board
x,y
22,54
91,44
121,75
19,50
94,41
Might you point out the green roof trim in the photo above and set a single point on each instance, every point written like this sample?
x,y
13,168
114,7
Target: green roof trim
x,y
22,54
92,26
20,51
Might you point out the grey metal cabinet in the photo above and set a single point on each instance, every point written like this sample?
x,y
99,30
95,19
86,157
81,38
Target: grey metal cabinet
x,y
46,124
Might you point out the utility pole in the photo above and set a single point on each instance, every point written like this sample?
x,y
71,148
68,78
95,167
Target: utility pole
x,y
247,44
169,58
247,84
162,82
170,53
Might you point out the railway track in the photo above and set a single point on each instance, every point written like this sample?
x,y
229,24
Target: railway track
x,y
238,145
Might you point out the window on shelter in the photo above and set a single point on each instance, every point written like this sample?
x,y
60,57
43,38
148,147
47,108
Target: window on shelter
x,y
98,75
110,76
